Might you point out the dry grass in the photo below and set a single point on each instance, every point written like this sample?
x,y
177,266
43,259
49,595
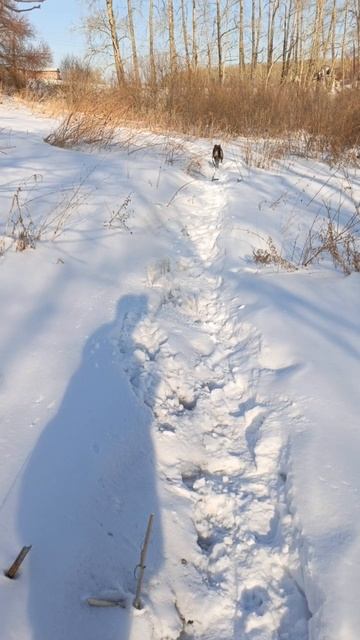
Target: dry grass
x,y
271,255
119,217
20,224
340,241
262,153
83,128
24,227
333,236
311,120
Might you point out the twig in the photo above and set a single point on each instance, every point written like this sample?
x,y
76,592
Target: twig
x,y
104,602
178,190
141,565
12,571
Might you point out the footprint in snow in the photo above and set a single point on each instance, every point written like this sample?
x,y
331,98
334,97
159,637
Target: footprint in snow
x,y
255,600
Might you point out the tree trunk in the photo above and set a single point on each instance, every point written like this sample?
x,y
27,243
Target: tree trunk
x,y
241,39
258,32
301,44
357,18
291,40
171,29
151,44
120,73
285,43
333,38
133,42
185,35
297,40
343,43
209,59
195,55
329,40
255,34
219,43
314,61
273,8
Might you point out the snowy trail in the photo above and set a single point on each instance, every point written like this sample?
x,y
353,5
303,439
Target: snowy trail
x,y
196,366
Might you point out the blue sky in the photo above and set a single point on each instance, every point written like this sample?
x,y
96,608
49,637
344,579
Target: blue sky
x,y
56,23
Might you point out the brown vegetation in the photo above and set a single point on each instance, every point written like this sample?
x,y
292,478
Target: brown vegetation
x,y
309,121
334,236
268,69
83,128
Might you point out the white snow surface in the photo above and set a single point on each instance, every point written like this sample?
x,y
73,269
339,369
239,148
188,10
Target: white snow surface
x,y
152,367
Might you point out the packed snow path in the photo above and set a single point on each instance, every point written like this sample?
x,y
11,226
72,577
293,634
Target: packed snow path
x,y
220,441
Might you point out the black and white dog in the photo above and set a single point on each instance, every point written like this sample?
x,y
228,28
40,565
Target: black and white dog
x,y
217,155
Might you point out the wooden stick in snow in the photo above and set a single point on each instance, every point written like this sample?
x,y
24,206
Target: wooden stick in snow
x,y
104,602
12,571
141,565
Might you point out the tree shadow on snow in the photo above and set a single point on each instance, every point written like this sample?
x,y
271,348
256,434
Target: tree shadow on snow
x,y
87,492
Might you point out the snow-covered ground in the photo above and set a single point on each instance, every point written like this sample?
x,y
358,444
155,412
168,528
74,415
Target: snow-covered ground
x,y
151,366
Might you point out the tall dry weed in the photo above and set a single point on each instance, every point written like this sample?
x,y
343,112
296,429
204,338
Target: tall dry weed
x,y
195,104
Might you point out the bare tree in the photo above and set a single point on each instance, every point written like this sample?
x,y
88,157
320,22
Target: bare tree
x,y
292,40
119,66
343,40
316,39
151,44
206,41
19,56
133,42
195,53
298,44
241,38
256,15
328,40
219,42
171,31
357,18
286,31
272,11
185,35
98,35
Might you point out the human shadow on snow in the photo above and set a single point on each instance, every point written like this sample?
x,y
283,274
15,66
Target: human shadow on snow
x,y
86,495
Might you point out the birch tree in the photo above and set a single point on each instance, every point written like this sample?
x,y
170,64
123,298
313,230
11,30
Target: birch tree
x,y
119,66
185,35
241,39
272,11
343,40
219,42
171,32
356,12
256,14
316,38
195,58
151,44
135,62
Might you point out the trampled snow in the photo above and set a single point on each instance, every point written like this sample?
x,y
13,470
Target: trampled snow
x,y
151,366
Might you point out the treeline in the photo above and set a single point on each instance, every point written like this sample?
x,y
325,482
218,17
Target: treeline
x,y
277,39
209,67
285,68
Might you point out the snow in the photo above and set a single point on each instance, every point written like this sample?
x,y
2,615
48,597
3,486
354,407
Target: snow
x,y
152,367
